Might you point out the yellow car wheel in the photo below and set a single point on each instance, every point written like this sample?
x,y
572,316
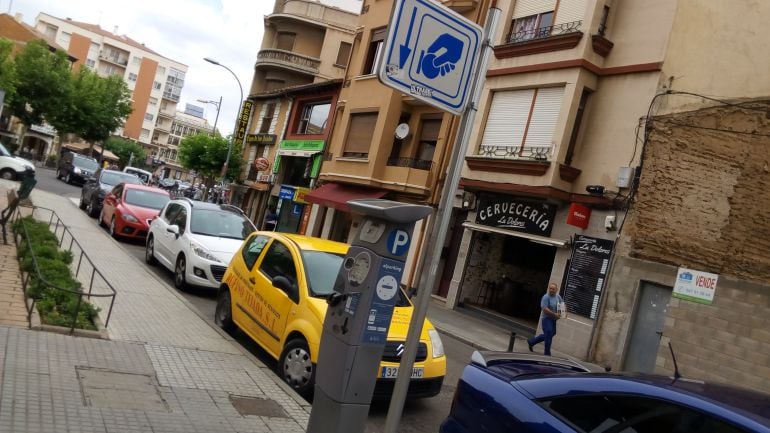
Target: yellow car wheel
x,y
296,368
224,312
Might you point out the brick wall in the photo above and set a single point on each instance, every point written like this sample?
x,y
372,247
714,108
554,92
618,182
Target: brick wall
x,y
703,203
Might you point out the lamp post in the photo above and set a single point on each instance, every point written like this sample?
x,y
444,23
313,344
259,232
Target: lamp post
x,y
240,105
216,104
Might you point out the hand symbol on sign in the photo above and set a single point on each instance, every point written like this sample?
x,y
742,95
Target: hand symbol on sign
x,y
441,57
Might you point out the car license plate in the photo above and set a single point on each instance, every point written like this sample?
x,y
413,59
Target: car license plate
x,y
392,372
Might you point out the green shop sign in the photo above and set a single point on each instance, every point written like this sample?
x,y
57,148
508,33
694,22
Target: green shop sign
x,y
302,146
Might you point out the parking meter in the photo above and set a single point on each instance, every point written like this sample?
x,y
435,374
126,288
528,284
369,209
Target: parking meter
x,y
359,313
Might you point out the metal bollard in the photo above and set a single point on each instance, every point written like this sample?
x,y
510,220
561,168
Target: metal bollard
x,y
511,341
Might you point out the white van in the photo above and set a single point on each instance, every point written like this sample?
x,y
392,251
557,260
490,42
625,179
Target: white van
x,y
142,174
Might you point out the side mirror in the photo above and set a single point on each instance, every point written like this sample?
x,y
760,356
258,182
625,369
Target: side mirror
x,y
173,229
284,284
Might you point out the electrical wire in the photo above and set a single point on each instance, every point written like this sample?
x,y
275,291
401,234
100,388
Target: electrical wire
x,y
721,101
671,122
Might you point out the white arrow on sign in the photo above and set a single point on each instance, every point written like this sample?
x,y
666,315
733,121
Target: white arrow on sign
x,y
430,53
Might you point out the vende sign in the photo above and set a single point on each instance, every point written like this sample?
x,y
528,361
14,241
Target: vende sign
x,y
695,286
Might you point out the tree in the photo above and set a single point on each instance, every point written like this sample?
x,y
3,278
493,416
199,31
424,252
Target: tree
x,y
124,148
7,69
42,83
107,101
206,155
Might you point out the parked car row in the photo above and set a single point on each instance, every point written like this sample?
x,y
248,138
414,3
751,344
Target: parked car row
x,y
14,167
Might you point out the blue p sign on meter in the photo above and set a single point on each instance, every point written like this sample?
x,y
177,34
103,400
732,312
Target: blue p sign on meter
x,y
430,54
398,242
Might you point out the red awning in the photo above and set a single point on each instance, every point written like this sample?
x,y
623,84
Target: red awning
x,y
336,195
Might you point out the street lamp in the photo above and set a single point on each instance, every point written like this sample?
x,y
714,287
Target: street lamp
x,y
240,105
216,104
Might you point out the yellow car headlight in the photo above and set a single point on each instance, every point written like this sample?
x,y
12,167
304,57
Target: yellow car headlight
x,y
435,341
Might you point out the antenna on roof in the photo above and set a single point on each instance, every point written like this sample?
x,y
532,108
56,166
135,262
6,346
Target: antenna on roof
x,y
676,367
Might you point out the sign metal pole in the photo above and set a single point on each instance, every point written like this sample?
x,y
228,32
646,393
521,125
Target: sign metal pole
x,y
439,229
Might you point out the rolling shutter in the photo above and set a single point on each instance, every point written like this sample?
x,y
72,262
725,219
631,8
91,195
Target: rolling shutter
x,y
525,8
507,118
544,116
570,11
360,133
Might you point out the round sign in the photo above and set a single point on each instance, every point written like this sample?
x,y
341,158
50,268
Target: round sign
x,y
261,164
387,287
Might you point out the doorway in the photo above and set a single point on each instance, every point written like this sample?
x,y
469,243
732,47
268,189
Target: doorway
x,y
647,327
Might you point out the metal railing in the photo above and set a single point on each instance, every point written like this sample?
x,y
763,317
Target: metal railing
x,y
419,164
62,235
535,153
545,32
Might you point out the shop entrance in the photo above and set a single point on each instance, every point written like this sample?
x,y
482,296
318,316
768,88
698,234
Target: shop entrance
x,y
507,275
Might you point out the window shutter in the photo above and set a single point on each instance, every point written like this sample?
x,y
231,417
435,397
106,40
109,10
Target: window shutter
x,y
430,129
507,118
343,54
360,132
525,8
544,116
379,34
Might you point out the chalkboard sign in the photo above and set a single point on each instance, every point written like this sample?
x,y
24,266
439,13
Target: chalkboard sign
x,y
586,274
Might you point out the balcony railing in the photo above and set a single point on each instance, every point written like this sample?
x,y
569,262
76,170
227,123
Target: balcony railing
x,y
289,59
121,61
532,153
545,32
419,164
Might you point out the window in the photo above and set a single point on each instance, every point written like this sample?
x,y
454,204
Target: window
x,y
152,101
373,54
93,50
171,211
278,262
160,71
109,70
621,413
180,220
267,118
90,63
576,127
148,116
131,76
156,85
64,39
144,135
285,41
136,60
521,123
343,54
359,135
427,144
313,118
50,30
253,249
532,27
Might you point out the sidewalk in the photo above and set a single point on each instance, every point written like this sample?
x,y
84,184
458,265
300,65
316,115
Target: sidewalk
x,y
12,309
164,368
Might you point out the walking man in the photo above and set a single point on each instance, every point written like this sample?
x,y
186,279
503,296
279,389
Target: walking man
x,y
549,314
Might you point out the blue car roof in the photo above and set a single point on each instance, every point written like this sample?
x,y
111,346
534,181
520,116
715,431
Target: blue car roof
x,y
722,400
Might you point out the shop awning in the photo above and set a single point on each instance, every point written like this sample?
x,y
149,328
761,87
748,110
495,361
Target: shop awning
x,y
336,195
533,238
81,147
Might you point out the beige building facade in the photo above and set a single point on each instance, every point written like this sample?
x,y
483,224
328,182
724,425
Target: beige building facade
x,y
297,75
155,81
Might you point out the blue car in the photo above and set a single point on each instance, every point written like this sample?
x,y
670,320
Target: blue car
x,y
512,392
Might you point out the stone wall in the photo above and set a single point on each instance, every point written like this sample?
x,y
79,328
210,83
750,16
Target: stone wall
x,y
703,203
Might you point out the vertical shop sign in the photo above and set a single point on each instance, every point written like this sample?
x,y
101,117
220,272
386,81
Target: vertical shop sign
x,y
586,274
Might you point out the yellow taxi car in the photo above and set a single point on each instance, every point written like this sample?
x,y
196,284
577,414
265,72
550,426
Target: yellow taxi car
x,y
275,290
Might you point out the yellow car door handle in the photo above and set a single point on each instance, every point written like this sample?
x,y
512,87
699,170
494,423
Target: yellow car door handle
x,y
252,280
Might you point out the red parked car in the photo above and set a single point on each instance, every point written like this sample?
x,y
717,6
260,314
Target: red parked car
x,y
129,209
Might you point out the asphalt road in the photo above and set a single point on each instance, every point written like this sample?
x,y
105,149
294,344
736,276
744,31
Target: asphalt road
x,y
424,415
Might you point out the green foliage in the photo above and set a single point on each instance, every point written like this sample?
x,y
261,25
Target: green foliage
x,y
206,155
107,102
51,160
123,149
43,81
7,69
57,307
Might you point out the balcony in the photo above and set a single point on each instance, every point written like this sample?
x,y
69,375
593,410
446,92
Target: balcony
x,y
170,96
529,160
163,128
165,114
461,6
419,164
116,60
288,60
542,40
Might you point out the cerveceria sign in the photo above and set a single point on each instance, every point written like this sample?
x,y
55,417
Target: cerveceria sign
x,y
517,215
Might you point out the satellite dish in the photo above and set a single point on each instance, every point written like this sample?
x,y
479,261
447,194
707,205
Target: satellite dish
x,y
402,131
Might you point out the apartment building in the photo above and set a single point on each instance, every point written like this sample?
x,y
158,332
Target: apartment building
x,y
175,128
155,81
615,157
297,76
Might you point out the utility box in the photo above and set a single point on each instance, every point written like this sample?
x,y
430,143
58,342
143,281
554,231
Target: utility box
x,y
625,174
358,318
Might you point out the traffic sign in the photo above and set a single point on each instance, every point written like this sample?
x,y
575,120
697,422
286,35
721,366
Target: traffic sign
x,y
430,54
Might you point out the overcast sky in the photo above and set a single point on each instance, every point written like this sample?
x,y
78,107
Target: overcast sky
x,y
229,31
